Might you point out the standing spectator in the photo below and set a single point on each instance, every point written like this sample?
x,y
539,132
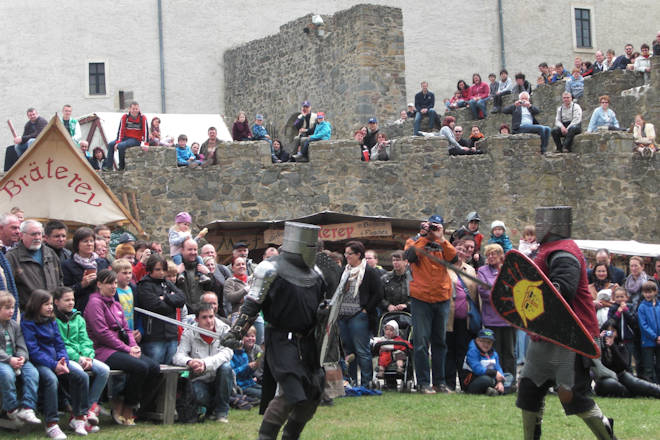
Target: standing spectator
x,y
560,74
221,273
603,116
505,86
587,69
198,159
479,92
33,265
424,103
599,64
623,60
240,130
73,127
31,131
528,244
133,130
656,45
237,286
403,117
617,275
602,280
396,296
624,318
522,85
55,237
305,124
575,85
79,272
156,294
568,123
430,292
115,345
190,276
210,364
210,147
10,232
648,316
240,249
322,132
358,312
259,132
635,280
372,260
279,154
643,135
523,119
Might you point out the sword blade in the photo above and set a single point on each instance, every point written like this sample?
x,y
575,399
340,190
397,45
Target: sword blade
x,y
450,266
179,323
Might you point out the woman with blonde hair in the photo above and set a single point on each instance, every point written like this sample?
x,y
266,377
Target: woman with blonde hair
x,y
643,136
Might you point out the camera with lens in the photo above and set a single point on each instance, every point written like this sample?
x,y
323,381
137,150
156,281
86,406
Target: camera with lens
x,y
433,227
609,333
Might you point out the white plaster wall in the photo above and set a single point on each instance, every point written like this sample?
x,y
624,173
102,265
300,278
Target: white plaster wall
x,y
46,45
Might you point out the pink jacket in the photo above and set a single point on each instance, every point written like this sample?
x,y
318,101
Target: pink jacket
x,y
479,91
102,315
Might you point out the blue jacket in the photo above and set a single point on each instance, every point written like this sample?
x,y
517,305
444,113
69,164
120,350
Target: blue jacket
x,y
478,362
601,119
183,154
244,374
322,132
503,240
575,87
259,132
648,317
44,342
424,101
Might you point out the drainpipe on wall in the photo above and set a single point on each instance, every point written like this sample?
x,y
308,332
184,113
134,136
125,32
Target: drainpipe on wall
x,y
501,22
162,60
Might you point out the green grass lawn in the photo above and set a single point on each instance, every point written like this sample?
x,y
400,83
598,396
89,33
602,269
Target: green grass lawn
x,y
405,416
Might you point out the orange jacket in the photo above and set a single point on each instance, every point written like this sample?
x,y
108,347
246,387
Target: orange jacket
x,y
431,282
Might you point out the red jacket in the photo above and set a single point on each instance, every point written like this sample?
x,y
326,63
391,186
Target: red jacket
x,y
136,128
479,91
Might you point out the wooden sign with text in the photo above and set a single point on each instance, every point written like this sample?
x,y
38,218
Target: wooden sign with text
x,y
339,231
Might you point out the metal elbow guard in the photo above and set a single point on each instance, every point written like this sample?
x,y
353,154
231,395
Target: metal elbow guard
x,y
264,275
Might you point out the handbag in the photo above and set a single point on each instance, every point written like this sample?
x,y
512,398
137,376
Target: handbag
x,y
121,333
474,316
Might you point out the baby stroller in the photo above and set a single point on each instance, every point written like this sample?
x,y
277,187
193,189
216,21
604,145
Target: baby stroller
x,y
393,374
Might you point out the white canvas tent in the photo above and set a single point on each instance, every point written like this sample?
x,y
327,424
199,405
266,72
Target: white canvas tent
x,y
630,247
52,180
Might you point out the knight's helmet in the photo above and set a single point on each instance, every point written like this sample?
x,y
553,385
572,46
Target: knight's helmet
x,y
553,223
301,239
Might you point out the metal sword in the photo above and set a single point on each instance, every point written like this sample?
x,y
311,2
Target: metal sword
x,y
452,267
179,323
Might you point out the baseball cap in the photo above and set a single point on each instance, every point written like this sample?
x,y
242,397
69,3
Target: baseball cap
x,y
373,120
259,117
240,244
436,219
486,333
320,115
306,104
410,104
125,238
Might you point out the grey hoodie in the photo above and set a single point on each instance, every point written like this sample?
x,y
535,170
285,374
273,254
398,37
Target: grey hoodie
x,y
17,341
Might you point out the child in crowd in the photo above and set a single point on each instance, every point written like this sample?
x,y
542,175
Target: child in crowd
x,y
498,235
604,297
493,85
482,373
255,353
48,354
155,137
625,320
244,369
259,132
172,271
455,101
380,151
125,294
80,348
475,136
184,155
391,353
15,367
198,158
178,234
528,244
648,316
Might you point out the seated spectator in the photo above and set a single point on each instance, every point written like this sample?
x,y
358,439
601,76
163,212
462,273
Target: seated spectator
x,y
462,87
240,130
255,353
523,119
609,59
479,92
259,132
623,60
209,361
504,129
643,135
15,367
97,159
380,151
31,131
198,158
403,117
545,74
305,124
603,116
456,101
322,132
55,238
395,285
156,294
80,348
599,63
371,138
73,127
643,62
633,58
482,372
210,146
237,286
133,130
493,85
391,354
476,136
458,134
214,286
498,236
522,85
648,317
142,254
560,74
245,369
279,154
411,111
568,123
587,69
184,155
79,272
447,130
575,84
505,87
424,103
155,137
48,354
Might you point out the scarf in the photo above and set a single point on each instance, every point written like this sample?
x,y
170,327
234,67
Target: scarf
x,y
7,282
63,316
208,339
243,277
86,263
355,274
634,286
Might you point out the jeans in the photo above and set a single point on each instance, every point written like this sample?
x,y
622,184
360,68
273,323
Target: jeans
x,y
121,147
160,352
100,379
216,394
141,374
570,134
178,259
259,327
253,391
8,378
21,148
475,105
480,384
304,150
522,341
354,334
430,324
457,345
497,99
651,363
541,130
418,119
78,387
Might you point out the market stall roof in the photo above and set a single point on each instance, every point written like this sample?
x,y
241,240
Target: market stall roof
x,y
630,247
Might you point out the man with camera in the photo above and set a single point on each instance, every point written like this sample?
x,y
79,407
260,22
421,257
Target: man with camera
x,y
430,292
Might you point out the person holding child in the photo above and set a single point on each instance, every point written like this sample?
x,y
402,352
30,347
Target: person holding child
x,y
15,367
49,355
482,373
179,233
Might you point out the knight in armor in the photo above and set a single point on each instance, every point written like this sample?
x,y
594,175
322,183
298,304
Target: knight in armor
x,y
288,291
549,365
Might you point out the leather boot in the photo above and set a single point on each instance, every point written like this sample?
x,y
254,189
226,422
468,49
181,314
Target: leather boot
x,y
292,430
268,431
639,387
601,426
532,424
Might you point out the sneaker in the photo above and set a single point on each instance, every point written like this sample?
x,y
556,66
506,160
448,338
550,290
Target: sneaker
x,y
78,426
13,416
426,389
92,418
27,415
221,419
491,392
56,433
92,429
442,388
96,409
